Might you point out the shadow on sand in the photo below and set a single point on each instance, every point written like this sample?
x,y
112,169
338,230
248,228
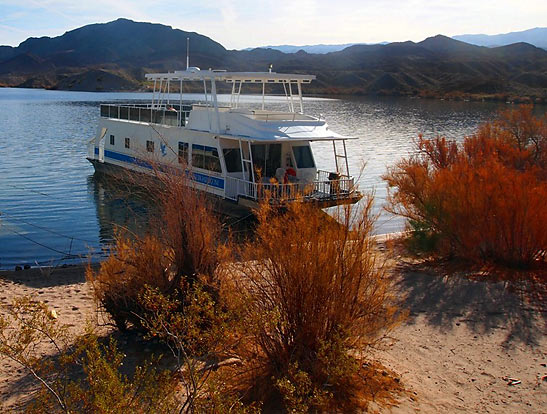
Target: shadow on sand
x,y
484,301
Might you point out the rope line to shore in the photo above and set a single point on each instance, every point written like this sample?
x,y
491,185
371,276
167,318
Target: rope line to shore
x,y
3,213
29,189
66,256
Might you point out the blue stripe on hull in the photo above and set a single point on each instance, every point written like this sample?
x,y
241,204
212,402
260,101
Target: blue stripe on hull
x,y
195,176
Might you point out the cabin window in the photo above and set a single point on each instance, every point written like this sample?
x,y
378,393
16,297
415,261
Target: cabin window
x,y
205,157
150,146
127,143
303,157
183,152
266,158
232,158
112,140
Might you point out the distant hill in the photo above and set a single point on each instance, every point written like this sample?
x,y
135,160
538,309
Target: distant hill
x,y
536,37
116,55
320,49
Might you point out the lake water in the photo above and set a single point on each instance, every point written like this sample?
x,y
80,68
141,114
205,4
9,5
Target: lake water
x,y
53,207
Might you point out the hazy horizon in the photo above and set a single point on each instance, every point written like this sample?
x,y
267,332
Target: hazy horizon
x,y
239,24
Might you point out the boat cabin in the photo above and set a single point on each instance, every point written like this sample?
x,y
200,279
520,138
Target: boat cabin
x,y
234,149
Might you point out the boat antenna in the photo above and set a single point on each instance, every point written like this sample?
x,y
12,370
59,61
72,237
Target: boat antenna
x,y
187,52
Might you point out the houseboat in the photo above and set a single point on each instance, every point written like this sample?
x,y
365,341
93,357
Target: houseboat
x,y
232,151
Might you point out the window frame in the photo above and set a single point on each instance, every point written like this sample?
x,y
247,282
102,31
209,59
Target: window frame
x,y
296,158
183,152
203,157
228,160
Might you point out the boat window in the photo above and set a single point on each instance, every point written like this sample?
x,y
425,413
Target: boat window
x,y
127,143
232,158
150,146
183,152
111,139
303,157
205,157
266,158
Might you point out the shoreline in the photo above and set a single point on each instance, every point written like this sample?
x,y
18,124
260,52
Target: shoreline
x,y
462,340
454,96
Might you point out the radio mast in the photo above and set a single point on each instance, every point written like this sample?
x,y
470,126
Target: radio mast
x,y
187,53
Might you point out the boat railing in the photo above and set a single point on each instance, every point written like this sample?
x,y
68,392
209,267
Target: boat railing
x,y
273,116
172,115
320,189
323,175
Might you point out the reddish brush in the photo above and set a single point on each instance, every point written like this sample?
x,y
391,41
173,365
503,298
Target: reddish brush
x,y
482,200
316,290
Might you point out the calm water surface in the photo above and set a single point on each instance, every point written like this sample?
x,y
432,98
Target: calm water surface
x,y
53,207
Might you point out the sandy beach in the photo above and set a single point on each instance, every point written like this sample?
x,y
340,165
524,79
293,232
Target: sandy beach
x,y
462,341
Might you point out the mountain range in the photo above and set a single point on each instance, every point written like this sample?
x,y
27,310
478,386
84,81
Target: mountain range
x,y
310,48
536,37
116,55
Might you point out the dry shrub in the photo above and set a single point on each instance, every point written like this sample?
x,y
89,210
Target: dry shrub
x,y
78,374
317,296
123,277
182,247
482,200
189,226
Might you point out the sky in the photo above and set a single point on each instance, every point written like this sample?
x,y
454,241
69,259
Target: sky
x,y
238,24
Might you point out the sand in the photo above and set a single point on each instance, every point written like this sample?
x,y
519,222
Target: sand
x,y
454,353
462,342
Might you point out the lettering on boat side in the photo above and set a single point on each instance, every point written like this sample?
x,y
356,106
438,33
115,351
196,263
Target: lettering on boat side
x,y
194,176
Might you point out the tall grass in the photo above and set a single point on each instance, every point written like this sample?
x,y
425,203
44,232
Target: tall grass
x,y
483,199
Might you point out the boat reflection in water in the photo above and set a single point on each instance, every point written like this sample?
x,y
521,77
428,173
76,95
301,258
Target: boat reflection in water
x,y
125,208
121,207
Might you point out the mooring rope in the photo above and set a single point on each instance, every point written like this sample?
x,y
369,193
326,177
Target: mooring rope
x,y
3,213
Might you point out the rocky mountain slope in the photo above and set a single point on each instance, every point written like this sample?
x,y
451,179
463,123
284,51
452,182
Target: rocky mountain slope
x,y
116,55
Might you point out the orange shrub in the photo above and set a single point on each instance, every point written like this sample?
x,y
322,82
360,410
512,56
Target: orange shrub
x,y
182,247
483,199
315,291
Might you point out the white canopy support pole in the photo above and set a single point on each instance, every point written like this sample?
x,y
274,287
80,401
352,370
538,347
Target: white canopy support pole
x,y
160,95
286,94
154,92
346,157
251,161
242,158
207,102
232,96
168,84
238,94
205,92
300,97
164,95
215,104
263,93
251,171
180,105
335,155
291,105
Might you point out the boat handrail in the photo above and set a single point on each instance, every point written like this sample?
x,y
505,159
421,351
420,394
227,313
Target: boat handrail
x,y
171,115
266,116
320,190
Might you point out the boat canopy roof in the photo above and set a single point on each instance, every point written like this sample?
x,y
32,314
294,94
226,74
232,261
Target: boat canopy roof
x,y
194,74
289,138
